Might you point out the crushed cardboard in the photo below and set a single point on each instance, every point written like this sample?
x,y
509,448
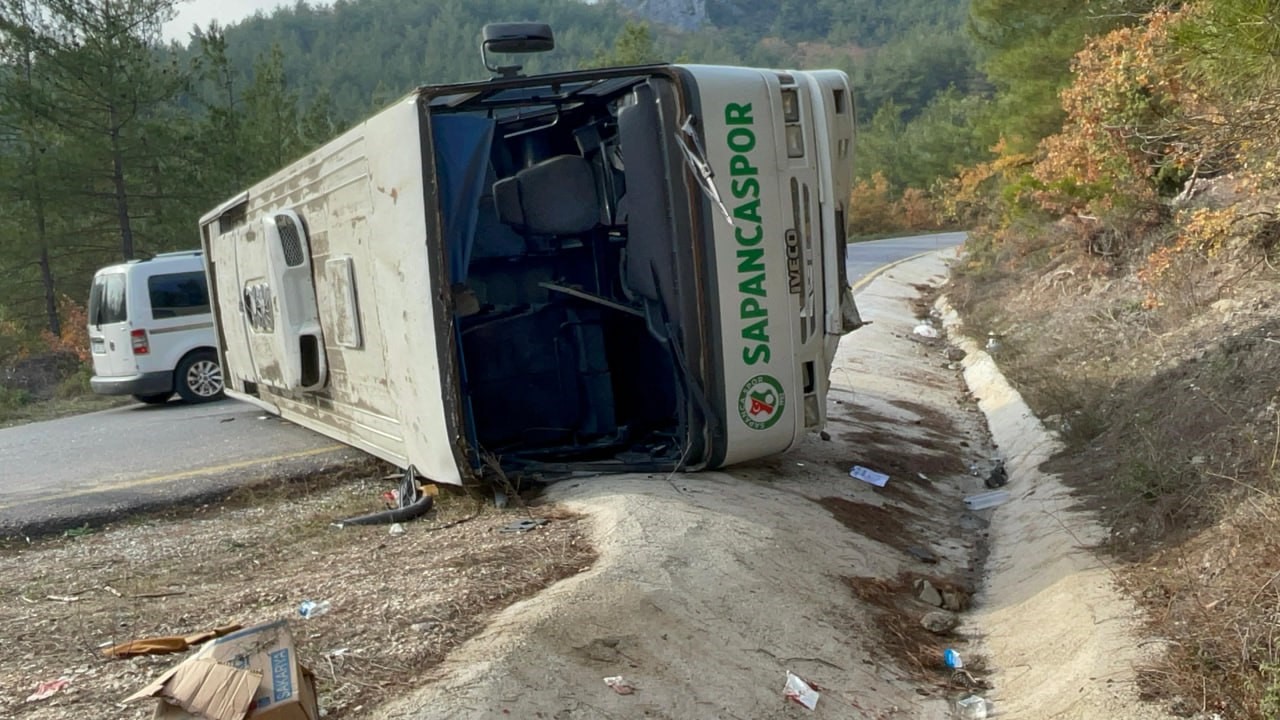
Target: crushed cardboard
x,y
251,672
165,645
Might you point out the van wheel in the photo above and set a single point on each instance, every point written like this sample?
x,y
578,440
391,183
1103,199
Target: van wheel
x,y
199,378
157,399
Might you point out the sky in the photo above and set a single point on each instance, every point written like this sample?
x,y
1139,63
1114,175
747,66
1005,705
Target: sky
x,y
200,12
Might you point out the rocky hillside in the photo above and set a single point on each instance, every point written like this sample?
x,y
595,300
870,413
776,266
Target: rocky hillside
x,y
683,15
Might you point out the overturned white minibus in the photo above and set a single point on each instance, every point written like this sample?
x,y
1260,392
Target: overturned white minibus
x,y
620,269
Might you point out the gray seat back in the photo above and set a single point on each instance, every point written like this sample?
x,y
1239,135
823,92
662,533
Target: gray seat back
x,y
555,197
650,270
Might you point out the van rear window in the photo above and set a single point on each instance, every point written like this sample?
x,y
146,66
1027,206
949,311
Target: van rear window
x,y
107,300
178,295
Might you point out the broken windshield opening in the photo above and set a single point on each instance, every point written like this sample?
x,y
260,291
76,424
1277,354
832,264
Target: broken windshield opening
x,y
562,254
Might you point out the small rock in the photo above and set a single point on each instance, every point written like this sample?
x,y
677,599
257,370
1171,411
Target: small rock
x,y
955,600
940,622
955,354
826,436
999,477
928,594
923,554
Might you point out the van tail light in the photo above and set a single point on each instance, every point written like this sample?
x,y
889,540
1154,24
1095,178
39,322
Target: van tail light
x,y
138,339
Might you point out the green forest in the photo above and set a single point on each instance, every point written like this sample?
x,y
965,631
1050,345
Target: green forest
x,y
980,113
115,142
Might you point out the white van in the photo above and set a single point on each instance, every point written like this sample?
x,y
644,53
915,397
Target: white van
x,y
151,331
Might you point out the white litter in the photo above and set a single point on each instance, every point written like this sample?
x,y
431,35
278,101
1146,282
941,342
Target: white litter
x,y
925,330
800,692
871,477
982,501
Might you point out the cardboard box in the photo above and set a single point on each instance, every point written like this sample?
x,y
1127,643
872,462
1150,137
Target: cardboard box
x,y
253,673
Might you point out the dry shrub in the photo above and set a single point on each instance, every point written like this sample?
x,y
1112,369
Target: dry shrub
x,y
1217,599
874,209
871,207
74,335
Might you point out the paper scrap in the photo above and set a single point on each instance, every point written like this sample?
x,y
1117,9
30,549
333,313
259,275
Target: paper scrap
x,y
799,691
871,477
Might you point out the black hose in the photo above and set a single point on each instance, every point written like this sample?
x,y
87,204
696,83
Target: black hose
x,y
394,515
413,504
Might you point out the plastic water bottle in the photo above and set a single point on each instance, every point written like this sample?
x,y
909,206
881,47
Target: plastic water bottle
x,y
310,608
971,708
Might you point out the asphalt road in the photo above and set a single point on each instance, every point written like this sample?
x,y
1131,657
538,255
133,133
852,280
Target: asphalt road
x,y
868,257
106,465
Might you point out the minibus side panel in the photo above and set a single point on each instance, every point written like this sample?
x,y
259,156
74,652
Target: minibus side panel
x,y
361,199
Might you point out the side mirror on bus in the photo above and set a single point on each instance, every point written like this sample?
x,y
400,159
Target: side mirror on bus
x,y
514,38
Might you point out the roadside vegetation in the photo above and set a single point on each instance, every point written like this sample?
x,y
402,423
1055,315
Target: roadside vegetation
x,y
114,140
1125,259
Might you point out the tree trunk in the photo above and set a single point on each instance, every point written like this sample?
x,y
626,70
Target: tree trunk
x,y
50,291
122,196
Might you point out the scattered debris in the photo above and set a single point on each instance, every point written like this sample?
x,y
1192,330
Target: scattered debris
x,y
925,330
619,685
924,555
63,598
972,708
265,677
826,436
409,502
800,692
396,529
524,525
940,622
927,593
227,420
310,608
166,645
993,345
999,477
159,594
871,477
952,659
982,501
955,600
955,354
48,689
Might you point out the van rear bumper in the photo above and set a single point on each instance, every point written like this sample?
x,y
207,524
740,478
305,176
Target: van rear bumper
x,y
153,383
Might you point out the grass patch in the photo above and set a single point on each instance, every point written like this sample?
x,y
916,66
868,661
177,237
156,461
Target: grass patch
x,y
31,410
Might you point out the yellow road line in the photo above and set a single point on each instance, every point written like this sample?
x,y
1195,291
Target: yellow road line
x,y
886,268
157,479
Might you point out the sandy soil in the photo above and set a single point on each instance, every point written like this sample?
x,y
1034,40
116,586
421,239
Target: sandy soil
x,y
711,587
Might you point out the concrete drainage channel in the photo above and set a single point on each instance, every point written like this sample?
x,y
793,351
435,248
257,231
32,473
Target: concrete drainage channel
x,y
1059,637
